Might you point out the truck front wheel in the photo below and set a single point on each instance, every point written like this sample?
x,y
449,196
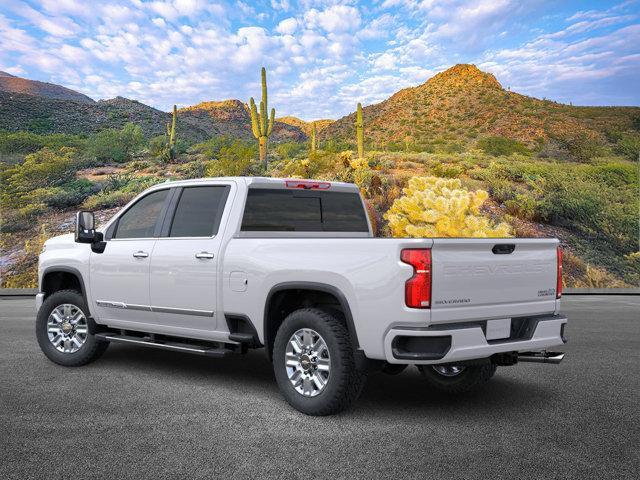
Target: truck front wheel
x,y
314,363
457,378
65,331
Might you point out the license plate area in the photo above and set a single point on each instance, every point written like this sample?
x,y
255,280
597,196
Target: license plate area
x,y
498,329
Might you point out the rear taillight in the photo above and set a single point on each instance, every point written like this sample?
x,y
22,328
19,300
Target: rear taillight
x,y
559,283
417,290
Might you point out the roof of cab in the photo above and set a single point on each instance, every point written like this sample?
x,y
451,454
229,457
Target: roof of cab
x,y
262,181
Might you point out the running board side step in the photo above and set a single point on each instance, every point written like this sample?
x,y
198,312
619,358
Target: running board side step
x,y
541,357
147,341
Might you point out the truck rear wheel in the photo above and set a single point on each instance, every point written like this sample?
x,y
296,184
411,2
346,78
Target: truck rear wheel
x,y
457,378
65,332
314,363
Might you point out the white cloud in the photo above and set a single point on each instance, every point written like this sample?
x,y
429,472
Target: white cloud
x,y
77,8
72,54
379,27
57,26
14,39
386,61
117,14
335,19
15,70
553,65
287,26
164,9
189,7
252,41
280,5
589,25
322,56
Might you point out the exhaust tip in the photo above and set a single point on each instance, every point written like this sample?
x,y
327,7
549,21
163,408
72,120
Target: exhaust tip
x,y
541,357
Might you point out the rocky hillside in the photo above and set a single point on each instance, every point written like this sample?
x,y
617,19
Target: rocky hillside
x,y
12,84
232,118
305,126
20,111
48,108
464,103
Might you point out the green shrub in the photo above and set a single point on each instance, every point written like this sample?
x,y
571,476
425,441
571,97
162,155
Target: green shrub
x,y
221,145
498,146
40,125
629,146
118,190
157,145
195,169
44,169
523,206
453,147
74,193
582,146
67,195
231,157
447,171
28,142
289,150
336,146
138,165
116,145
107,200
598,201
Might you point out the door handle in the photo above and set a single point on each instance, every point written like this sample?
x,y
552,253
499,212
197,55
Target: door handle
x,y
204,255
141,254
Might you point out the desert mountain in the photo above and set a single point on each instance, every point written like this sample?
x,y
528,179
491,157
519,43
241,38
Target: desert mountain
x,y
463,103
12,84
232,117
20,111
48,108
305,126
458,105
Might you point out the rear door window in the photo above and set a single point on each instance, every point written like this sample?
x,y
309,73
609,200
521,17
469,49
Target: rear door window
x,y
199,211
303,211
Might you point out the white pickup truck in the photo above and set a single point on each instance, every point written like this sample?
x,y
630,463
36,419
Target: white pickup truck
x,y
222,265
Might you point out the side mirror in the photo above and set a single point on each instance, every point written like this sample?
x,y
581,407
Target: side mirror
x,y
85,227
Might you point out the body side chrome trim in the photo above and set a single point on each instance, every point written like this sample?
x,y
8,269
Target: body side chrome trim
x,y
151,308
183,311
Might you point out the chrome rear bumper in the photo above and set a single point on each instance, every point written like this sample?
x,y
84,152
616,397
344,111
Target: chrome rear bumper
x,y
470,343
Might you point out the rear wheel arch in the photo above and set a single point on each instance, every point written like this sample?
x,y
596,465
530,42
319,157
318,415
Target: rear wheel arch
x,y
287,297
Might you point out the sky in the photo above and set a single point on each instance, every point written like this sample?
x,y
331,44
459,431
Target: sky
x,y
322,57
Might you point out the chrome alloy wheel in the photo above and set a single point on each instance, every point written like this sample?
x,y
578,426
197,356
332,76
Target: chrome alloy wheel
x,y
448,370
67,328
307,362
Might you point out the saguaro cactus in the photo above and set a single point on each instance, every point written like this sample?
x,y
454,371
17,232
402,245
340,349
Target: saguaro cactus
x,y
260,124
171,135
360,132
314,137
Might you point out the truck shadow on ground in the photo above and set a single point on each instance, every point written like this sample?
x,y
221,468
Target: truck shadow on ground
x,y
404,392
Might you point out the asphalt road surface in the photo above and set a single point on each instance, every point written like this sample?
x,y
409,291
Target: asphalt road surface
x,y
144,413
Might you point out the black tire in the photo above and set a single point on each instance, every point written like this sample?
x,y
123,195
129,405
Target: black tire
x,y
393,368
90,350
471,377
345,381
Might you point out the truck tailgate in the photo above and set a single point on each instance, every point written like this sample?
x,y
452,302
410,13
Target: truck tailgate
x,y
493,278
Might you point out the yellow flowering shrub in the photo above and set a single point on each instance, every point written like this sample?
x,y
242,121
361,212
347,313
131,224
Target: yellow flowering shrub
x,y
441,207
